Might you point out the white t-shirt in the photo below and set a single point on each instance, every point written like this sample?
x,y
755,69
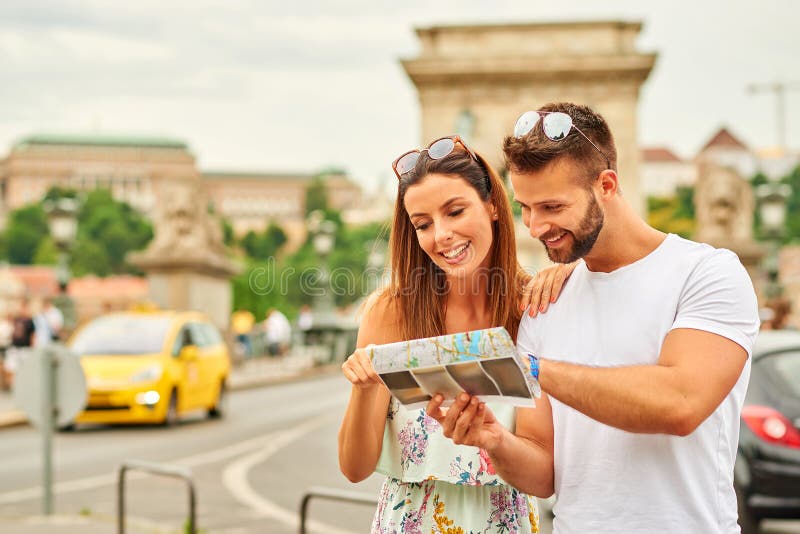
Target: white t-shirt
x,y
610,480
278,328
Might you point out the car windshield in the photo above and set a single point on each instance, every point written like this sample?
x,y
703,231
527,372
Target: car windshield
x,y
122,335
784,369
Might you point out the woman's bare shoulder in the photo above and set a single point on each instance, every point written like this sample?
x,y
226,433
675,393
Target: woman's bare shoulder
x,y
379,319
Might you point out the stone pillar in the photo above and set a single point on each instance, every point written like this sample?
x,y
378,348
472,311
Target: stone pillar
x,y
724,207
186,264
492,73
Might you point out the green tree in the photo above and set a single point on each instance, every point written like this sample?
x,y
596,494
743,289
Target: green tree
x,y
115,227
793,205
228,237
685,209
792,223
89,257
26,229
285,283
673,214
758,179
274,239
266,244
316,195
46,252
107,231
56,192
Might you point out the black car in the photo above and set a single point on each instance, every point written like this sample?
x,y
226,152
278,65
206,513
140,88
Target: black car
x,y
767,471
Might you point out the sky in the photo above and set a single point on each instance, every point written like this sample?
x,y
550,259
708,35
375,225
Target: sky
x,y
299,86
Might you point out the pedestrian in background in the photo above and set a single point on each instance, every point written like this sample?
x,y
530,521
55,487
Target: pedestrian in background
x,y
6,330
22,337
305,322
242,322
277,332
54,318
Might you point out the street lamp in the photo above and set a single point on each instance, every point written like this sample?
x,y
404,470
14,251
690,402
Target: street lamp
x,y
376,268
323,241
325,324
772,198
62,217
63,221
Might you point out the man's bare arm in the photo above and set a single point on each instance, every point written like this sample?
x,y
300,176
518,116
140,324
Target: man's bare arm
x,y
694,373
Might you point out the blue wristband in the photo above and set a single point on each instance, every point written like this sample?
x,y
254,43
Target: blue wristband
x,y
534,361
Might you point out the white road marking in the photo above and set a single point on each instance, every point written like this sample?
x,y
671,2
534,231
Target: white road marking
x,y
204,458
234,478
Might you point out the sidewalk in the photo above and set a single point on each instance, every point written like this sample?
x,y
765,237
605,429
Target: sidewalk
x,y
249,373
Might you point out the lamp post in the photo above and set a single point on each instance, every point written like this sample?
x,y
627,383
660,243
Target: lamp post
x,y
323,241
325,322
376,259
62,217
772,198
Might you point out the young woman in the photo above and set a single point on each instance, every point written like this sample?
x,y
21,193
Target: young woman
x,y
454,268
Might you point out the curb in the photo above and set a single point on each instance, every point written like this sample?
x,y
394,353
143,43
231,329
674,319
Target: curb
x,y
17,418
259,381
12,418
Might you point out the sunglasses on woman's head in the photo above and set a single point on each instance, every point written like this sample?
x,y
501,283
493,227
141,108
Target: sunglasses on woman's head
x,y
436,150
556,125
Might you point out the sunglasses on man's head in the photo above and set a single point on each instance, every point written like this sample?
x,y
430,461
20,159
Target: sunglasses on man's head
x,y
436,150
556,125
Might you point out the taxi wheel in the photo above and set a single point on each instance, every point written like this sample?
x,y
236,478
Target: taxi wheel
x,y
171,417
218,410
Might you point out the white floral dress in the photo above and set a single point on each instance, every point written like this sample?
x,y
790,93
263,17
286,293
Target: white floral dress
x,y
434,486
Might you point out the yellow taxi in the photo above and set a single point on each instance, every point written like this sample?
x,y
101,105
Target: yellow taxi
x,y
151,367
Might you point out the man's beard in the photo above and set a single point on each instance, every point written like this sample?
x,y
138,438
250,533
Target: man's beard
x,y
583,241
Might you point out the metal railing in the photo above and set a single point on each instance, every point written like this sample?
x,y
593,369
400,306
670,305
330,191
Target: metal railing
x,y
174,471
332,494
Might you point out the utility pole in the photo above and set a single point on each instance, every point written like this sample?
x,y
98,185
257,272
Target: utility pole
x,y
780,89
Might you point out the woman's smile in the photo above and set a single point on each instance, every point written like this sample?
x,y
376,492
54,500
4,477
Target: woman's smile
x,y
456,255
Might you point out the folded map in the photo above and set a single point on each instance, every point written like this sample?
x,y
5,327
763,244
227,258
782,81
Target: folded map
x,y
484,363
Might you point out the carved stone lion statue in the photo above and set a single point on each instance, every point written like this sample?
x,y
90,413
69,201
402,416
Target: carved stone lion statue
x,y
183,226
724,206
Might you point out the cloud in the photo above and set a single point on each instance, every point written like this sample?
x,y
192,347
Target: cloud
x,y
268,84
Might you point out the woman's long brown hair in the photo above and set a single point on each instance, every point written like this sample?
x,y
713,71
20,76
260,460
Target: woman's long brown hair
x,y
418,287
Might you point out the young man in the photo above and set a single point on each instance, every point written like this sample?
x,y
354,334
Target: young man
x,y
645,356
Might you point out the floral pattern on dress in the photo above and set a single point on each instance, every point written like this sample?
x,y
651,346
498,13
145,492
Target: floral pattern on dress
x,y
412,519
507,508
472,473
413,438
443,523
506,512
436,487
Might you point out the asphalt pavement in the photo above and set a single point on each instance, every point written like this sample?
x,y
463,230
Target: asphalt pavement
x,y
249,373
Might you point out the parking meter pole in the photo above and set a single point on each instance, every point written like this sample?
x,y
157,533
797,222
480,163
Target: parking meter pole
x,y
48,396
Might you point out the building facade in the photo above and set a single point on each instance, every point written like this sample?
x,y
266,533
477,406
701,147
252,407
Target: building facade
x,y
663,172
250,200
136,169
130,167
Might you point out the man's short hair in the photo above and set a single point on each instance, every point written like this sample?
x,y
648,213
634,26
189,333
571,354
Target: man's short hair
x,y
534,151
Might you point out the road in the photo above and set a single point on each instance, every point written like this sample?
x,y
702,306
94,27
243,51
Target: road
x,y
250,469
